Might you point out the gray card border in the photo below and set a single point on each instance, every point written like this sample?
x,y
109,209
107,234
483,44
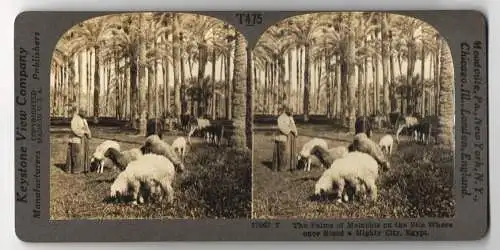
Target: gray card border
x,y
471,221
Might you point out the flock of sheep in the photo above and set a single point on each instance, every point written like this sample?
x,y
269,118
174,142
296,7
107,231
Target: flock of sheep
x,y
147,172
352,171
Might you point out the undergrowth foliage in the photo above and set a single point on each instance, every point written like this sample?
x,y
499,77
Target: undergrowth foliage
x,y
222,184
423,181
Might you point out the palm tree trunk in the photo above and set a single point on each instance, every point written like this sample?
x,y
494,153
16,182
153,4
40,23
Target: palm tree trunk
x,y
202,62
126,83
255,83
156,90
229,88
281,63
118,97
107,106
289,92
422,81
182,88
437,77
446,113
329,86
176,64
394,101
266,88
150,89
385,64
80,78
74,84
359,106
338,82
166,90
307,81
430,97
65,89
301,80
214,96
318,89
142,84
297,73
238,100
89,80
134,92
54,93
351,62
376,91
275,85
409,78
97,83
366,94
250,81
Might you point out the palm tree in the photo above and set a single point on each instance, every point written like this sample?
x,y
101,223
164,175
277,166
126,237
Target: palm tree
x,y
238,101
273,47
90,35
446,83
304,29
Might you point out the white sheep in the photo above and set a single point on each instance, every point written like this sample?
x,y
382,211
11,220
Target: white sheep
x,y
100,151
386,143
328,156
305,152
155,171
355,168
122,159
155,145
364,144
179,146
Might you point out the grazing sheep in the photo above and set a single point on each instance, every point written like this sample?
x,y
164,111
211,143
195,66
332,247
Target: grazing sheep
x,y
150,170
179,145
356,169
386,143
364,144
198,125
106,163
304,156
328,156
363,125
99,158
122,159
155,145
408,122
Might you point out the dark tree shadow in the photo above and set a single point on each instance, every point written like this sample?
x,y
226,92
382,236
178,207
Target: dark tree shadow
x,y
99,181
268,164
304,179
61,166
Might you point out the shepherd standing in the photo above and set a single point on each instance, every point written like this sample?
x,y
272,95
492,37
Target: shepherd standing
x,y
284,149
78,159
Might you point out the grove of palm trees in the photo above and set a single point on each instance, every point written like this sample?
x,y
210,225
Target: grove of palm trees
x,y
329,69
124,67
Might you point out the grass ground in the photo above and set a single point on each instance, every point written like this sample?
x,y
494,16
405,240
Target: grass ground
x,y
419,183
203,192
